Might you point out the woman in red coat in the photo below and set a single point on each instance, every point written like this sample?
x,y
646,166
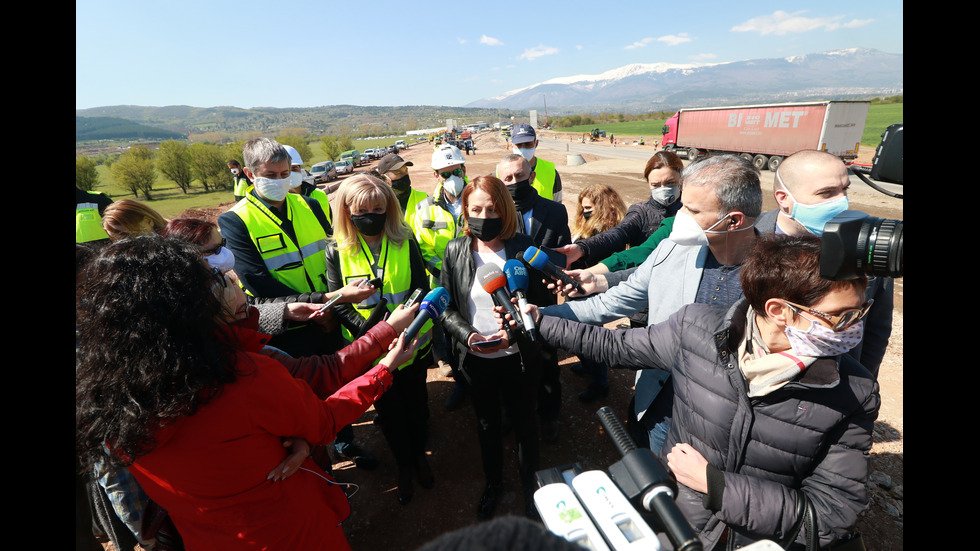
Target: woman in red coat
x,y
189,404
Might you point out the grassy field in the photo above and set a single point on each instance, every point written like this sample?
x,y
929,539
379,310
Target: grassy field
x,y
880,116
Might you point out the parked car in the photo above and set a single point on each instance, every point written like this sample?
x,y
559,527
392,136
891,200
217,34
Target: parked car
x,y
400,144
370,153
354,156
323,172
344,167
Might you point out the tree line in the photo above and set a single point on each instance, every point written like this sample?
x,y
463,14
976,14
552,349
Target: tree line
x,y
183,163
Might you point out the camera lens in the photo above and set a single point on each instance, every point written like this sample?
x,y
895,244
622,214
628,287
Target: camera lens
x,y
885,249
856,244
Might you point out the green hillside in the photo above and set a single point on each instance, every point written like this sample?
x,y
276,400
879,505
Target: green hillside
x,y
113,128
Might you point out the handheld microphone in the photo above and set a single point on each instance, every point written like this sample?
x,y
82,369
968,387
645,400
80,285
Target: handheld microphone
x,y
494,282
433,305
517,281
540,261
379,312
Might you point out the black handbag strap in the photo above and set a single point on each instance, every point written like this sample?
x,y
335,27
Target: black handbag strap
x,y
806,515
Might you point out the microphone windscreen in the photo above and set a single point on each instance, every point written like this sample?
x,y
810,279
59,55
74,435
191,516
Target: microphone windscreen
x,y
435,302
491,278
535,258
517,276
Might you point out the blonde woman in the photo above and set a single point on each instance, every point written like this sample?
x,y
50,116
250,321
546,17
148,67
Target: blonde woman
x,y
128,218
372,242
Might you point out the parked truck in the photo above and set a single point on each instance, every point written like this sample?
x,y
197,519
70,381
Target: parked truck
x,y
765,134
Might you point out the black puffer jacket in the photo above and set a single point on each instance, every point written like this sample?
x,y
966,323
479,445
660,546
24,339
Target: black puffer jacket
x,y
812,434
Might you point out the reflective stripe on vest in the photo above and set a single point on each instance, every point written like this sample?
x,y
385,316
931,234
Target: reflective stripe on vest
x,y
300,266
436,227
395,267
544,179
88,223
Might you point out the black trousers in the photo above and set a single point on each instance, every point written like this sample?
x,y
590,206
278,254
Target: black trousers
x,y
404,412
501,381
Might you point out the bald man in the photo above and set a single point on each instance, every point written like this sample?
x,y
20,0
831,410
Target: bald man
x,y
810,188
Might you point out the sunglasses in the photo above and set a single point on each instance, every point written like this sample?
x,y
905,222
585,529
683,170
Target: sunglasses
x,y
215,249
839,322
457,172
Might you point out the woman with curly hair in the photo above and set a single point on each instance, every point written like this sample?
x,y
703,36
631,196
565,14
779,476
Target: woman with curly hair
x,y
184,400
599,208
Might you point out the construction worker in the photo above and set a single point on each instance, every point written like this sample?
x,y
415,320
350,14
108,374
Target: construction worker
x,y
546,178
394,169
89,206
436,223
241,181
307,189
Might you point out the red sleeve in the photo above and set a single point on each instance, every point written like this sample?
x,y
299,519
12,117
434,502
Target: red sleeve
x,y
329,372
286,406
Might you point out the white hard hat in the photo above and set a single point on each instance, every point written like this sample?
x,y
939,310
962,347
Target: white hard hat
x,y
447,155
294,155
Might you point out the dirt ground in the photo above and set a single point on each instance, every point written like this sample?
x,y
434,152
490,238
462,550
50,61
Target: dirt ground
x,y
378,522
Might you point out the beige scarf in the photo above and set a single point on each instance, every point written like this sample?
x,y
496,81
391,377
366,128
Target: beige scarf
x,y
764,371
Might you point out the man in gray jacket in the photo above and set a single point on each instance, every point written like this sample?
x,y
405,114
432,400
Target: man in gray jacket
x,y
711,237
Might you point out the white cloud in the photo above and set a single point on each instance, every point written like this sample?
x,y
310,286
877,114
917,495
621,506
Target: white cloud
x,y
639,44
531,54
490,41
461,40
578,46
781,23
674,39
670,40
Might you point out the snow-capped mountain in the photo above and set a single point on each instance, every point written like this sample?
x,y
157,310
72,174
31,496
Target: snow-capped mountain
x,y
839,74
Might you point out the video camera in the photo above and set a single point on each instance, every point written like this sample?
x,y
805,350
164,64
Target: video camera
x,y
855,243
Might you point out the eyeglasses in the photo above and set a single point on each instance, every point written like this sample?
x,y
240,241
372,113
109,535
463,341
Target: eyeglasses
x,y
214,250
839,322
456,172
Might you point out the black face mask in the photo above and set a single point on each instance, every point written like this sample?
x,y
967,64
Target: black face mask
x,y
587,214
520,190
485,229
402,184
369,224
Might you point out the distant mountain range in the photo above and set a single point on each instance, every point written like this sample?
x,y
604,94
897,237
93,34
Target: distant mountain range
x,y
839,74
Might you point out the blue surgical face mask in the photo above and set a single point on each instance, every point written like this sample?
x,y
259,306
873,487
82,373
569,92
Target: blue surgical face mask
x,y
814,217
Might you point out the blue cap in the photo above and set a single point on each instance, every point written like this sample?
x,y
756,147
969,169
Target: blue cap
x,y
523,133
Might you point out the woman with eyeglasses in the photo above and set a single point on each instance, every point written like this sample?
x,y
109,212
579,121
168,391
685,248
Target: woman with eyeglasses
x,y
372,242
180,395
768,407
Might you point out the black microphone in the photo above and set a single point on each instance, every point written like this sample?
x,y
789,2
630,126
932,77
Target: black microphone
x,y
380,309
539,260
648,485
433,305
517,281
493,281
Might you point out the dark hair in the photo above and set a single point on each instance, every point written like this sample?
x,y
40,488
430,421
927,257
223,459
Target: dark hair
x,y
150,347
788,267
190,230
662,159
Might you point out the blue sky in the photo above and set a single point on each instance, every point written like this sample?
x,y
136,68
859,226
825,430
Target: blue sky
x,y
304,53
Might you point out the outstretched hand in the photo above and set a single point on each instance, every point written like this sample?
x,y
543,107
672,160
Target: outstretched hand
x,y
591,284
572,253
399,352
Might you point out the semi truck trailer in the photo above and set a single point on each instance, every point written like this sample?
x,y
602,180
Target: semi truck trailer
x,y
765,134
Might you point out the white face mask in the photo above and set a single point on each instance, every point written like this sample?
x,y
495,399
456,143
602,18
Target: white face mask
x,y
223,260
454,185
687,231
271,188
295,179
526,152
234,171
665,195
